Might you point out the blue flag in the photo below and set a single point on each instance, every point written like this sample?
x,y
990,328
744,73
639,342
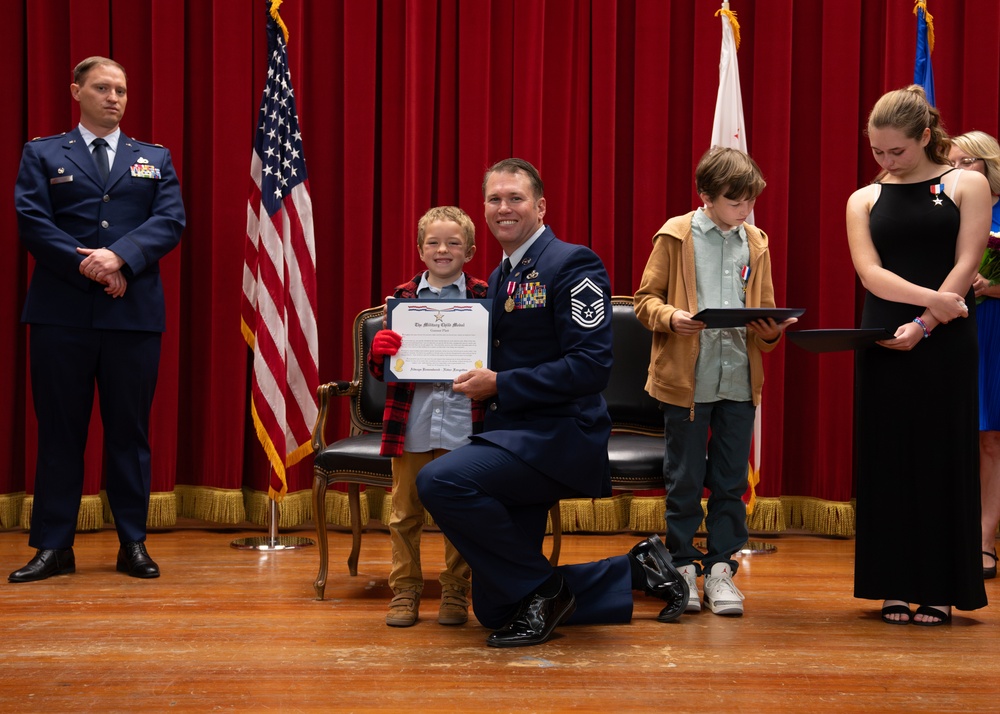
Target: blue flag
x,y
923,72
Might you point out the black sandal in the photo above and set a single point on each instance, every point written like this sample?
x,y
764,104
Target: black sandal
x,y
990,572
928,611
896,610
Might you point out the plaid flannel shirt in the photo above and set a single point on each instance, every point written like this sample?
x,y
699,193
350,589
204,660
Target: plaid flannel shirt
x,y
399,395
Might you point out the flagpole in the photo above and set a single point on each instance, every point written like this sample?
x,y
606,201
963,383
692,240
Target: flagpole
x,y
729,130
279,286
272,541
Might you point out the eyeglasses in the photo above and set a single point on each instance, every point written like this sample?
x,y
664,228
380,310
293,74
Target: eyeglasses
x,y
967,161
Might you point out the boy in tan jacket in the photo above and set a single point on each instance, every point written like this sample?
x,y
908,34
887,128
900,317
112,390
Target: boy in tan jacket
x,y
709,380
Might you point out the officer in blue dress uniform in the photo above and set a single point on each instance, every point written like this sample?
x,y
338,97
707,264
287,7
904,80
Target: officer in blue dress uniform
x,y
545,434
97,210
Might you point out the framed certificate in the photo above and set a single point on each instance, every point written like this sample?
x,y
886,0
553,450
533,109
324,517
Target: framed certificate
x,y
716,317
837,340
441,339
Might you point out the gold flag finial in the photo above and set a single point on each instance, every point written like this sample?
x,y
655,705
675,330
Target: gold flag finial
x,y
929,19
731,16
275,4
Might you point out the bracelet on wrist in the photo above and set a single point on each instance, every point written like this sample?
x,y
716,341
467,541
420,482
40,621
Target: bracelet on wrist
x,y
923,326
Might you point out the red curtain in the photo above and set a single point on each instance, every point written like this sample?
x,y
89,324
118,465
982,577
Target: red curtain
x,y
403,104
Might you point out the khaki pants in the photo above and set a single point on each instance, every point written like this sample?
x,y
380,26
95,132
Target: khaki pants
x,y
407,523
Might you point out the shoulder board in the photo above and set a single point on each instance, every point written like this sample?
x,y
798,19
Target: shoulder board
x,y
46,138
146,143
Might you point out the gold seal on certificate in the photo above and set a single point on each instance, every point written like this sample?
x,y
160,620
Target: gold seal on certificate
x,y
441,339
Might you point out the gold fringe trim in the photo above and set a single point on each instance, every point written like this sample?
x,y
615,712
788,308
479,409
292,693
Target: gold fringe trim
x,y
10,509
612,514
271,451
768,515
622,512
296,509
90,517
576,514
275,4
206,503
248,335
338,512
929,19
646,514
731,16
819,516
380,505
162,510
293,510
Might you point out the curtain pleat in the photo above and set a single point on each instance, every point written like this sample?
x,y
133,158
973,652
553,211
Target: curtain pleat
x,y
403,104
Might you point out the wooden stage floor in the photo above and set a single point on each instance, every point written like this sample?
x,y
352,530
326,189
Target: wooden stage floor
x,y
236,630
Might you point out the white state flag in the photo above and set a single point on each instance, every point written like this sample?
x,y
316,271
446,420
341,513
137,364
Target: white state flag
x,y
728,128
729,131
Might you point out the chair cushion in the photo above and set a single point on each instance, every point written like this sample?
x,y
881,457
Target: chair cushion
x,y
636,461
355,458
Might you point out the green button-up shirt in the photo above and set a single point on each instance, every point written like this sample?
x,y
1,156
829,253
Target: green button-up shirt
x,y
723,368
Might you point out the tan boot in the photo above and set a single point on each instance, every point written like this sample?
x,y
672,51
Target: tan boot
x,y
403,608
454,608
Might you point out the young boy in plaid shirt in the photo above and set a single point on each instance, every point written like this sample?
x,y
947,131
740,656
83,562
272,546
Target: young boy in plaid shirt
x,y
425,420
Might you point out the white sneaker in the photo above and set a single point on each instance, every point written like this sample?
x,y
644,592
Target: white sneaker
x,y
722,596
690,574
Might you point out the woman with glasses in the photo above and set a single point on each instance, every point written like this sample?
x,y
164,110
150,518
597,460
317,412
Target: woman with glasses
x,y
978,151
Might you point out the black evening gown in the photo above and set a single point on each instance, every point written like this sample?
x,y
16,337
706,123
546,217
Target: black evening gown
x,y
917,423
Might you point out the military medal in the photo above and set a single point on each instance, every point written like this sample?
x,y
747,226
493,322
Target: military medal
x,y
936,190
745,276
509,304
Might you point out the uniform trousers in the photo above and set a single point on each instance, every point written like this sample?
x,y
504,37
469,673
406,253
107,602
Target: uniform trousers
x,y
493,507
67,364
406,524
710,450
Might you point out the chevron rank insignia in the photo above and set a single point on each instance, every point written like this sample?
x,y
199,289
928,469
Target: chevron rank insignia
x,y
587,304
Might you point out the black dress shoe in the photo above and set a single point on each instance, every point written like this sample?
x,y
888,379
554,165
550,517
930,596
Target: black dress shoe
x,y
45,564
535,620
662,579
134,560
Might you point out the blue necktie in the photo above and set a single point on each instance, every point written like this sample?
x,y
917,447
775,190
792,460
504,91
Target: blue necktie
x,y
505,270
101,157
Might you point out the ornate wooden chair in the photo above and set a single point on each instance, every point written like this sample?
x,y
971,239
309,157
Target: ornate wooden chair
x,y
355,459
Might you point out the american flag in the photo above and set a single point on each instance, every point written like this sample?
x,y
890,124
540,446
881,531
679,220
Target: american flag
x,y
279,274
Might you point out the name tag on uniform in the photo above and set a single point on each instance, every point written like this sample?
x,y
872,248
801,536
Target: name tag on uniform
x,y
61,179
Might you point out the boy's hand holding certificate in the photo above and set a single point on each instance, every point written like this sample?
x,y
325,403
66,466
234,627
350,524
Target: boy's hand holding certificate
x,y
441,339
